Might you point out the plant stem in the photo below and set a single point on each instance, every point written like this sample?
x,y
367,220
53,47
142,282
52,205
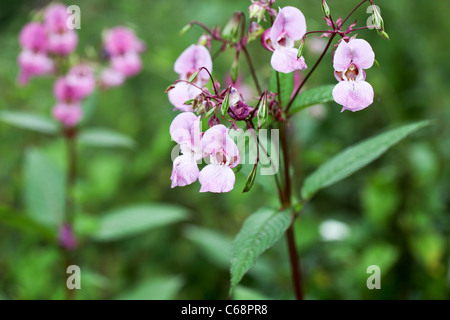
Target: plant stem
x,y
353,11
252,69
286,203
310,73
68,255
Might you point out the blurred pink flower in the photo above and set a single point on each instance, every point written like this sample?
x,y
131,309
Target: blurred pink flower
x,y
289,26
192,59
67,238
120,40
81,77
62,43
61,39
110,77
185,130
33,37
128,63
33,63
224,154
55,18
349,62
67,92
69,114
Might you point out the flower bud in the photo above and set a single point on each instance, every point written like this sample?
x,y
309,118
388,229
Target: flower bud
x,y
325,8
256,11
230,31
263,111
254,31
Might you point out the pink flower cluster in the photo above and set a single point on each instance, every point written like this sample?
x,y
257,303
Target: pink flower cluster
x,y
69,92
350,60
123,49
215,144
41,39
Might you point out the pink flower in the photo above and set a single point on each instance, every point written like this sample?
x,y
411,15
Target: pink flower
x,y
288,27
181,93
61,39
185,130
191,60
55,18
67,92
349,62
120,40
218,177
67,238
110,77
128,63
33,63
69,114
62,43
33,37
82,78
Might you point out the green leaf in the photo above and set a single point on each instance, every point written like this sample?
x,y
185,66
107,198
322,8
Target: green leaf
x,y
24,223
286,85
130,221
312,97
161,288
44,189
30,121
99,137
259,232
215,246
244,293
225,103
354,158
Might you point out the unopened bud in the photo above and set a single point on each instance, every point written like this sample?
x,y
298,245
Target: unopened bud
x,y
234,72
185,28
326,8
256,11
230,31
263,111
254,31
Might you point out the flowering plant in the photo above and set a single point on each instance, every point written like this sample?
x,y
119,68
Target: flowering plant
x,y
201,98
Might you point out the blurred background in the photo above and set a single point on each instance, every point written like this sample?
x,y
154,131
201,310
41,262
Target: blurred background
x,y
394,213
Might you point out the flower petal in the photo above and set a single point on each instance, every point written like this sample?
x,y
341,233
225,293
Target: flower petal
x,y
353,95
191,59
285,60
181,127
342,57
181,93
362,53
216,178
185,171
289,21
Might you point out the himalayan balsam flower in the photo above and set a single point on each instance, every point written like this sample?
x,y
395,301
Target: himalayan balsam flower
x,y
185,130
33,59
215,143
224,154
67,238
189,62
33,63
122,47
61,39
110,77
288,27
69,114
350,60
81,77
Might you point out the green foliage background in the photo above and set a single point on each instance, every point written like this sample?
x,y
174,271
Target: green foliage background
x,y
397,209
